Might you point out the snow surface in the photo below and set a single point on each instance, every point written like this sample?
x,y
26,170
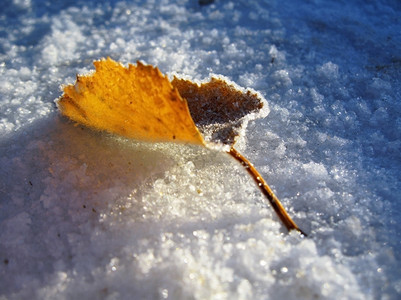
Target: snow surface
x,y
87,215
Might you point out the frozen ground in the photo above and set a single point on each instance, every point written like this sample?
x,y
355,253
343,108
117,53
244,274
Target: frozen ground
x,y
86,215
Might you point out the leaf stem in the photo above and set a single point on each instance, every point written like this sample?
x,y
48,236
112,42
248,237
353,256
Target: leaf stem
x,y
266,190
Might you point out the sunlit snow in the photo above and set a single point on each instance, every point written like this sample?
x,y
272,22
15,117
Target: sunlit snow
x,y
88,215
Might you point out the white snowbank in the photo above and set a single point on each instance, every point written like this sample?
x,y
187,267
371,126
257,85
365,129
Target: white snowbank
x,y
92,216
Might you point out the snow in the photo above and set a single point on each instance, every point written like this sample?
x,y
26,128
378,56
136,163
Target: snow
x,y
87,215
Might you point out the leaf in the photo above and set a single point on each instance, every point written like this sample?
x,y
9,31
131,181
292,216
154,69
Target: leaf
x,y
136,102
139,102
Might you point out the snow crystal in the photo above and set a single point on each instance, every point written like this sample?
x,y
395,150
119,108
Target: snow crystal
x,y
89,215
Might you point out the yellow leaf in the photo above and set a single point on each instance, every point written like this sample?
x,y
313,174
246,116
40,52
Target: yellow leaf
x,y
136,102
139,102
